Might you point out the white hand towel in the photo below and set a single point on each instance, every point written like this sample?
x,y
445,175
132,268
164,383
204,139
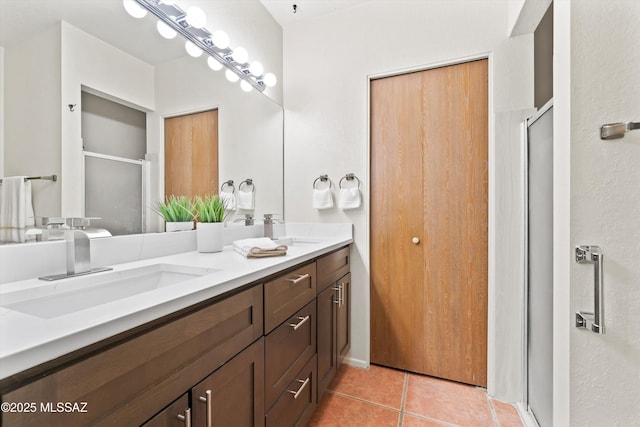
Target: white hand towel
x,y
16,209
322,198
246,200
349,198
229,200
259,248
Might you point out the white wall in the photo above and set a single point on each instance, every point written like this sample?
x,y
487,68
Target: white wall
x,y
32,115
599,375
327,63
89,61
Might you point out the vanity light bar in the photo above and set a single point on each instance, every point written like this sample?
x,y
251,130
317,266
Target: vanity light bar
x,y
175,18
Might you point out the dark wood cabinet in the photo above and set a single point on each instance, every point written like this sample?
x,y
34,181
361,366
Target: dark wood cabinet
x,y
287,349
129,382
296,405
334,332
174,415
260,356
234,394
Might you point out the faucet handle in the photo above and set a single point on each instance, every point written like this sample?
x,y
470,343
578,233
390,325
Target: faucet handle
x,y
80,222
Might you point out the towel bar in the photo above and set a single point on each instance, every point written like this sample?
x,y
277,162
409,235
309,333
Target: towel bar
x,y
248,182
228,183
53,178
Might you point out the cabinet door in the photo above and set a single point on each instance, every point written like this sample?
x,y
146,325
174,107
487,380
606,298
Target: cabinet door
x,y
343,322
327,366
174,415
234,394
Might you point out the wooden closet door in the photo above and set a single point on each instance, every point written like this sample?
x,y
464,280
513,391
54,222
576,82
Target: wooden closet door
x,y
191,154
429,179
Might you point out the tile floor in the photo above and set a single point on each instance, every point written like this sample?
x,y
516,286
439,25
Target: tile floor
x,y
380,397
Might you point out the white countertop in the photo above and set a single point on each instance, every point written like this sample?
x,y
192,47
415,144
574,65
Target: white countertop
x,y
27,341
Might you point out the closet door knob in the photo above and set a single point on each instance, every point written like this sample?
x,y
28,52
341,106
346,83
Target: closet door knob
x,y
415,240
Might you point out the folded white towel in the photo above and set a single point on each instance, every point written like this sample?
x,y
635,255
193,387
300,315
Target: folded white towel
x,y
322,198
16,209
260,247
229,200
246,200
349,198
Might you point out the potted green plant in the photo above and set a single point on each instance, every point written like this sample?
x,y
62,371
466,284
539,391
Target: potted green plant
x,y
210,225
179,212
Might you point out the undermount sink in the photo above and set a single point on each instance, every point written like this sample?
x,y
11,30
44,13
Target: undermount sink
x,y
71,295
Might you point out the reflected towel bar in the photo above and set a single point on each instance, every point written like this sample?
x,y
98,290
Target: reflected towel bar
x,y
53,178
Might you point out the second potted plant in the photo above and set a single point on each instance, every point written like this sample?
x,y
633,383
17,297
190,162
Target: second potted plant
x,y
210,225
178,213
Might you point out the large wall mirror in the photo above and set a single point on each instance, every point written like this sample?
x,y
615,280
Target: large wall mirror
x,y
86,92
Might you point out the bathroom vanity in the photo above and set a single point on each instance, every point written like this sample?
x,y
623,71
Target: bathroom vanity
x,y
249,342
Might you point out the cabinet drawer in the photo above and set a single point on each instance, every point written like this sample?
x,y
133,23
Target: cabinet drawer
x,y
287,294
287,349
128,383
332,267
296,405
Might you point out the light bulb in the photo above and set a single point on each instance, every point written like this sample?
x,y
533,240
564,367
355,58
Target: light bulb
x,y
270,79
214,64
246,86
192,49
165,31
220,39
240,55
134,9
196,17
231,76
256,68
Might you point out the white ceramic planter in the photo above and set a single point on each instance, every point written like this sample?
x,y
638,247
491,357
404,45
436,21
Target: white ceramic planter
x,y
179,226
209,236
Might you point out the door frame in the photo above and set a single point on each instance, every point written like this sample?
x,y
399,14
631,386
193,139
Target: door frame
x,y
491,309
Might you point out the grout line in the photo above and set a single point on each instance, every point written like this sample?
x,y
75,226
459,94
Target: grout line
x,y
433,420
493,412
337,393
403,401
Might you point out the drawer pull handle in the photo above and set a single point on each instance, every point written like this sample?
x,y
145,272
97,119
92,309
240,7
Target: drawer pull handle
x,y
207,399
297,393
301,322
299,278
186,418
340,289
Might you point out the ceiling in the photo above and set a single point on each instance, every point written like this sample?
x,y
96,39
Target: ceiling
x,y
282,10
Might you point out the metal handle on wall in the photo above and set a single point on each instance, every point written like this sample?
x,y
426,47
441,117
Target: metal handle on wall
x,y
592,254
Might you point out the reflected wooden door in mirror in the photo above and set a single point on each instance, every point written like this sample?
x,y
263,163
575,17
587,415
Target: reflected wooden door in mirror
x,y
191,154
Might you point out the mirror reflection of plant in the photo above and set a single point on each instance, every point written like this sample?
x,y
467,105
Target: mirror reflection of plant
x,y
177,209
210,208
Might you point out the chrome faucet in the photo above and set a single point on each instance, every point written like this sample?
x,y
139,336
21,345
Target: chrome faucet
x,y
78,249
269,220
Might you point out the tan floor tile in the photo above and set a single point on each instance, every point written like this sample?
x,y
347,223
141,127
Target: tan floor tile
x,y
448,401
411,421
339,411
377,384
507,414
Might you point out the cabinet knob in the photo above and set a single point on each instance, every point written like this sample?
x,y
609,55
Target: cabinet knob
x,y
415,240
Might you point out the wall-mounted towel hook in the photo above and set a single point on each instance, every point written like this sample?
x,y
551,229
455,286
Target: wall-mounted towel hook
x,y
322,178
349,177
248,183
228,183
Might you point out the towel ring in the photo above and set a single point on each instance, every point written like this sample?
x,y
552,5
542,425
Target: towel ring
x,y
322,178
248,182
349,177
228,183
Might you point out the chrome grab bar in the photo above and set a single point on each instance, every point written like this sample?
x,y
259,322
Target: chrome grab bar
x,y
592,254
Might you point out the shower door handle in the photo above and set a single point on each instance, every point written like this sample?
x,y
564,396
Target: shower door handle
x,y
595,319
